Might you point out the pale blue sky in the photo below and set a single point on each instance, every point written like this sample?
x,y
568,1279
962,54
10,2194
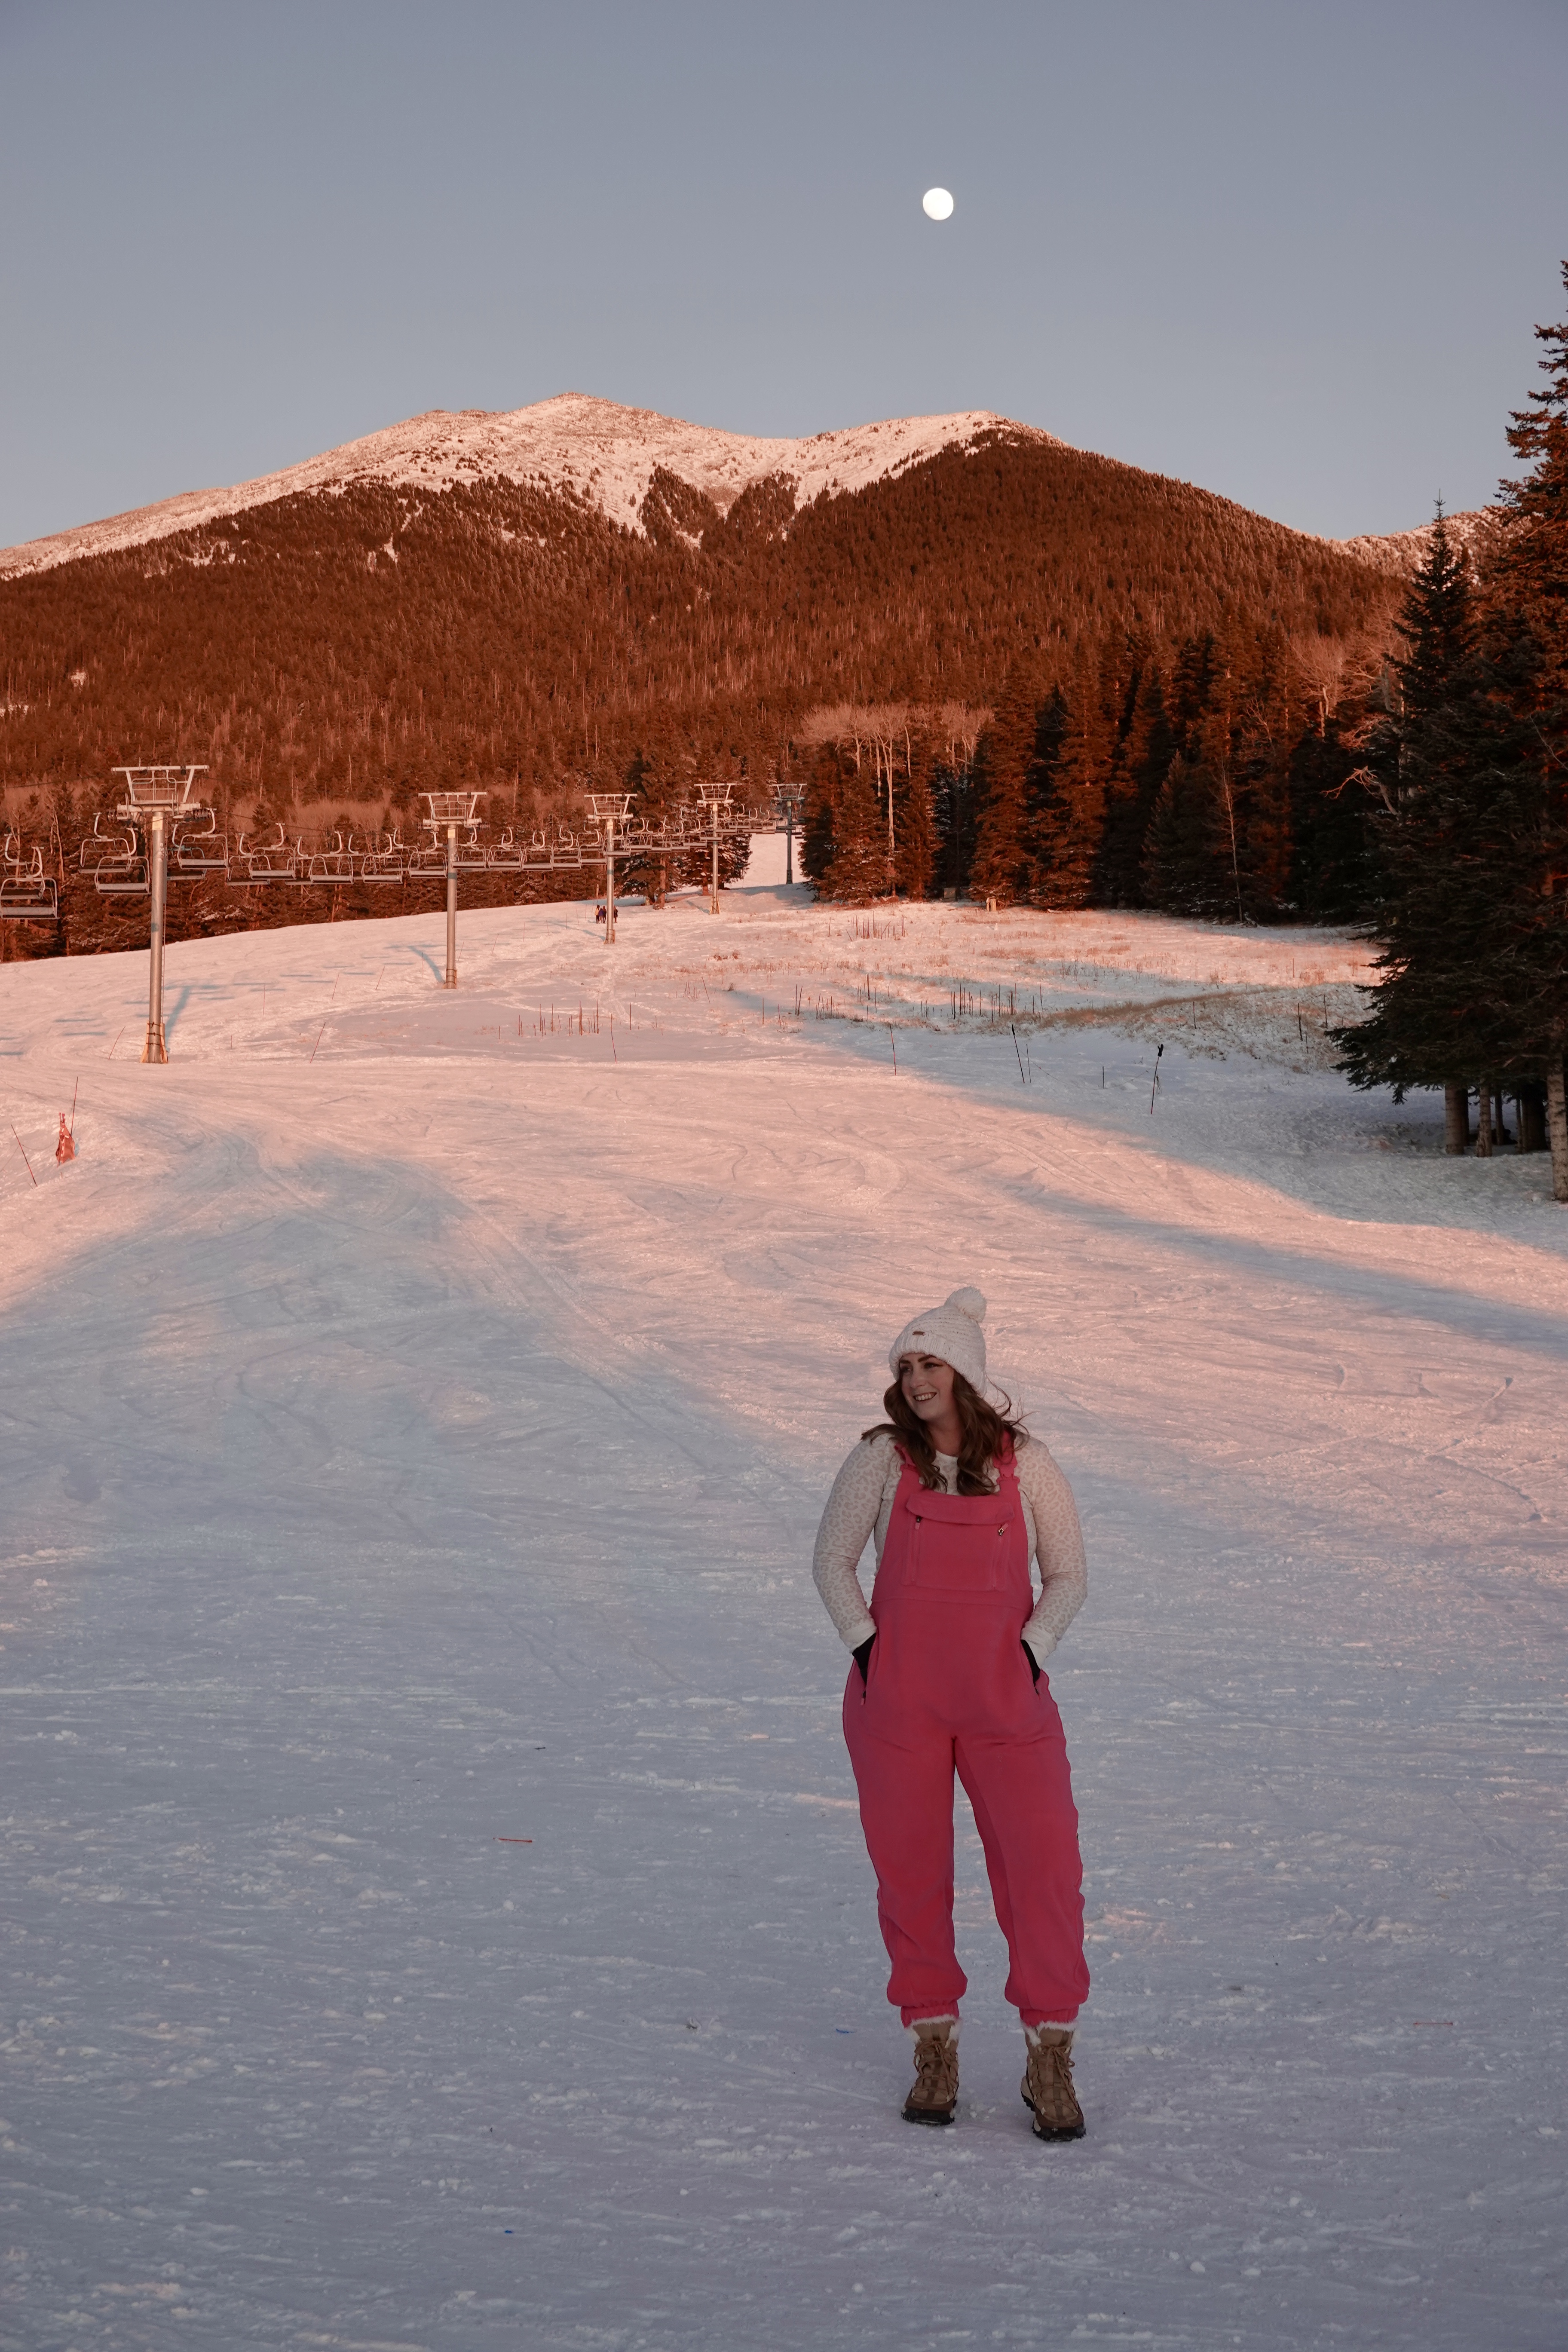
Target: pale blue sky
x,y
1292,252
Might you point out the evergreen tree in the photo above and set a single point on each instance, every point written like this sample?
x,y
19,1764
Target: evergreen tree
x,y
1012,767
1144,753
915,814
1263,736
1179,861
1333,863
844,849
1526,633
1446,782
1187,856
1070,824
1475,920
819,836
952,810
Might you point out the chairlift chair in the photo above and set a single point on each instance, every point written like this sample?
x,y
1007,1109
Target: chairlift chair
x,y
382,861
472,857
118,869
196,850
98,844
335,864
27,894
507,855
272,861
122,874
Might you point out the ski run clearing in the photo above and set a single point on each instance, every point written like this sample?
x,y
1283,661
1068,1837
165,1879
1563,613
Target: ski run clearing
x,y
436,1913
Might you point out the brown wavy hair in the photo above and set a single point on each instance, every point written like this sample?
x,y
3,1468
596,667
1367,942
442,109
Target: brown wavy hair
x,y
988,1435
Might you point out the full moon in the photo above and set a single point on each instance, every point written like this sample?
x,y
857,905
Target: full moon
x,y
937,205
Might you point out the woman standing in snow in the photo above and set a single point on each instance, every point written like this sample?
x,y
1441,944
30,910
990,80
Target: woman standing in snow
x,y
947,1676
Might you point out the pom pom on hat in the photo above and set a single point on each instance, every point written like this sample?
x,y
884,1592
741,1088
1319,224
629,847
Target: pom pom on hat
x,y
951,1331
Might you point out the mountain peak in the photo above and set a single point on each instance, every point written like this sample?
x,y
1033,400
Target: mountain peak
x,y
574,441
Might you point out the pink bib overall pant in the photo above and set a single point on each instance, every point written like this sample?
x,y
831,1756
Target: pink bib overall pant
x,y
949,1687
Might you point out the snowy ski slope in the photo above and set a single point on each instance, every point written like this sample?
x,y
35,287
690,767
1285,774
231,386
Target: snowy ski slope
x,y
415,1413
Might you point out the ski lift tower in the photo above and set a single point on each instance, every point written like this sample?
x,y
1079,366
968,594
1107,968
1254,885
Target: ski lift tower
x,y
155,797
606,810
447,812
715,798
787,799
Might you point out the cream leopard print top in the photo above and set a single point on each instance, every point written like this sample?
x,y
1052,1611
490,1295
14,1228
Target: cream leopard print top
x,y
861,1504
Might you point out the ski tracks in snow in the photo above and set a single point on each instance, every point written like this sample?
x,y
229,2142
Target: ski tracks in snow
x,y
421,1449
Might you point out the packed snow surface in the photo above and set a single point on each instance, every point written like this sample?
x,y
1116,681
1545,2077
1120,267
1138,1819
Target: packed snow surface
x,y
603,452
436,1914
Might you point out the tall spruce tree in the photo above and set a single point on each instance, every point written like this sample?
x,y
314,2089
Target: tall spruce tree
x,y
1526,636
1070,824
915,810
1445,764
1262,767
1181,872
1475,924
1144,752
1333,861
1011,770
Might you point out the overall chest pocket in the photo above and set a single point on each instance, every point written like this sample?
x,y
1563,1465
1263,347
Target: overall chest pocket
x,y
967,1555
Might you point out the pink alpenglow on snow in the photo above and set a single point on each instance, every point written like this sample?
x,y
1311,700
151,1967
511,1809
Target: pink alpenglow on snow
x,y
457,1415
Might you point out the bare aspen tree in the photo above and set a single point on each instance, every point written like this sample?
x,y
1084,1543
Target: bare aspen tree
x,y
1557,1128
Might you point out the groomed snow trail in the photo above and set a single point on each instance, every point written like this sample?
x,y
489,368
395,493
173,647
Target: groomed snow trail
x,y
416,1449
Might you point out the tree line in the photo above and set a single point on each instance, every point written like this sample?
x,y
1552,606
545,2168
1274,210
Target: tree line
x,y
1204,778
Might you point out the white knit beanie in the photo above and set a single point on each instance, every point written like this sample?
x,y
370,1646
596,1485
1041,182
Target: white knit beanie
x,y
951,1331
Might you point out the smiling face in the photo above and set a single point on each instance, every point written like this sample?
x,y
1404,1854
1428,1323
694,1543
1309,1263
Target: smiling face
x,y
927,1385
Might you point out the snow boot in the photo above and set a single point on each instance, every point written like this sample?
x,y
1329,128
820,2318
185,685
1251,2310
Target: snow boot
x,y
1048,2082
934,2095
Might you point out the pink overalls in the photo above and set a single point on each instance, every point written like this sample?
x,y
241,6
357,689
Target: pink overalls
x,y
948,1685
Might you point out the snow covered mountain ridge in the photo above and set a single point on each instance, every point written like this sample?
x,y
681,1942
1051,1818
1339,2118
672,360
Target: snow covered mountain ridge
x,y
601,451
1401,550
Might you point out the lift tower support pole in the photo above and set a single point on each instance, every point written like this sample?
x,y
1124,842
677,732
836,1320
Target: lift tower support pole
x,y
451,980
154,799
156,1048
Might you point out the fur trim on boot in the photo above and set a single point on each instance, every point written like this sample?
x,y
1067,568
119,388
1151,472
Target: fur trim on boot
x,y
934,2092
1047,2084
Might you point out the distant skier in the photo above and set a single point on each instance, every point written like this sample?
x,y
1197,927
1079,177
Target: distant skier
x,y
947,1674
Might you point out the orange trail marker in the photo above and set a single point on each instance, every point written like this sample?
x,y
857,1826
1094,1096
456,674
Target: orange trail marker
x,y
26,1162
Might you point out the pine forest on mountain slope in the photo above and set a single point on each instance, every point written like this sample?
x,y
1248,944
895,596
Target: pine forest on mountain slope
x,y
332,656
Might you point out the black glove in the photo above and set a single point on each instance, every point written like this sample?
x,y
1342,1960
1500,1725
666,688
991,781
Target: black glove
x,y
862,1656
1034,1668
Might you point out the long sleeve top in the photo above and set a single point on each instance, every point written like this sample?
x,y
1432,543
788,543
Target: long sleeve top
x,y
861,1504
